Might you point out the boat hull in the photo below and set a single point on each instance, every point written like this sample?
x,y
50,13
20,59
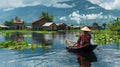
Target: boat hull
x,y
88,48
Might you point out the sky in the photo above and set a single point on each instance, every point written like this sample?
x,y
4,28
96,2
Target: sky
x,y
107,4
11,4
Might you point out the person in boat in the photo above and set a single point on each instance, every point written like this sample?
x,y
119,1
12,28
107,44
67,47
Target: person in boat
x,y
84,38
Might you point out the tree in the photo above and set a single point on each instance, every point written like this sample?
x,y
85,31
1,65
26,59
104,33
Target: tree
x,y
9,23
17,18
95,26
46,15
104,25
115,25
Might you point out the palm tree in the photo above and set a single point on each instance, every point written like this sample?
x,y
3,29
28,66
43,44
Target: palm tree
x,y
17,18
46,15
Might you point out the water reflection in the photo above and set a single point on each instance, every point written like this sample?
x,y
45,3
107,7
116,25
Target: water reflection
x,y
36,41
17,37
38,38
85,59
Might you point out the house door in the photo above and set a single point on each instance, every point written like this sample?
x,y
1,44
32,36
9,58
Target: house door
x,y
18,27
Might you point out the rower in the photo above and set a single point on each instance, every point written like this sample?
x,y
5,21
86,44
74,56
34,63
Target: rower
x,y
84,38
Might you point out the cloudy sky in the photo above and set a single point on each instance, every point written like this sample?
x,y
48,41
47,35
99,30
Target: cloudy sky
x,y
78,17
107,4
11,4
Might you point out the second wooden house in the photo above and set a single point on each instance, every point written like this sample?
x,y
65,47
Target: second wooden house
x,y
18,24
37,25
50,26
61,26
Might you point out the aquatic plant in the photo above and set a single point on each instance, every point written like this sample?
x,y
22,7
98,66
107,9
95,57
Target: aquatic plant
x,y
20,45
106,37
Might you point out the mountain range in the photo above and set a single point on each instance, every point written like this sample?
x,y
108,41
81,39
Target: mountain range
x,y
82,11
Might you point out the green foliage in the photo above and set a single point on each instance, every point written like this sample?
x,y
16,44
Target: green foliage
x,y
115,25
9,23
20,45
17,18
106,37
104,25
46,15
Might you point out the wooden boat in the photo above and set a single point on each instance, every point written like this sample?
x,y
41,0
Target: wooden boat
x,y
88,48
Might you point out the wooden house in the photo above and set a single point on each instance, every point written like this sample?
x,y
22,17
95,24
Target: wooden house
x,y
95,26
69,26
37,25
61,26
18,24
49,26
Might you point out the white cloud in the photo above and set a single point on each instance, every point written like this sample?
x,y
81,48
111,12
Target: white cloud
x,y
94,16
8,9
63,18
62,5
76,16
91,8
11,4
107,4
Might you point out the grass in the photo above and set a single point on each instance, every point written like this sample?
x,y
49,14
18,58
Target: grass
x,y
24,31
39,31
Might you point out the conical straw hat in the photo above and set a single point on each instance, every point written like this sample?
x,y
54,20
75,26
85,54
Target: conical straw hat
x,y
85,29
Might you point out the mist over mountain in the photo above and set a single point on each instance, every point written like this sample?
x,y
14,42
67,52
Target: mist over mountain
x,y
81,12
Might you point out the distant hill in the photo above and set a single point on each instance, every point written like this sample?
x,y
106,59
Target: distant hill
x,y
31,13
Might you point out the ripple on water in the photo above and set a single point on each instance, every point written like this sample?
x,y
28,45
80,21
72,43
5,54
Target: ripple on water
x,y
108,57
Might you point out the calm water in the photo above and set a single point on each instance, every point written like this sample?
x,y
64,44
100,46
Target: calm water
x,y
55,55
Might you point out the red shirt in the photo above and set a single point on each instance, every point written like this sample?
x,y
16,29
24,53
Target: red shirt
x,y
84,39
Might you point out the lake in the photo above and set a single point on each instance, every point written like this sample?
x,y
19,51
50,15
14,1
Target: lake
x,y
55,55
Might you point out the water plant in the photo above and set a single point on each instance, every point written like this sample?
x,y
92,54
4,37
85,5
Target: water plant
x,y
20,45
106,37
